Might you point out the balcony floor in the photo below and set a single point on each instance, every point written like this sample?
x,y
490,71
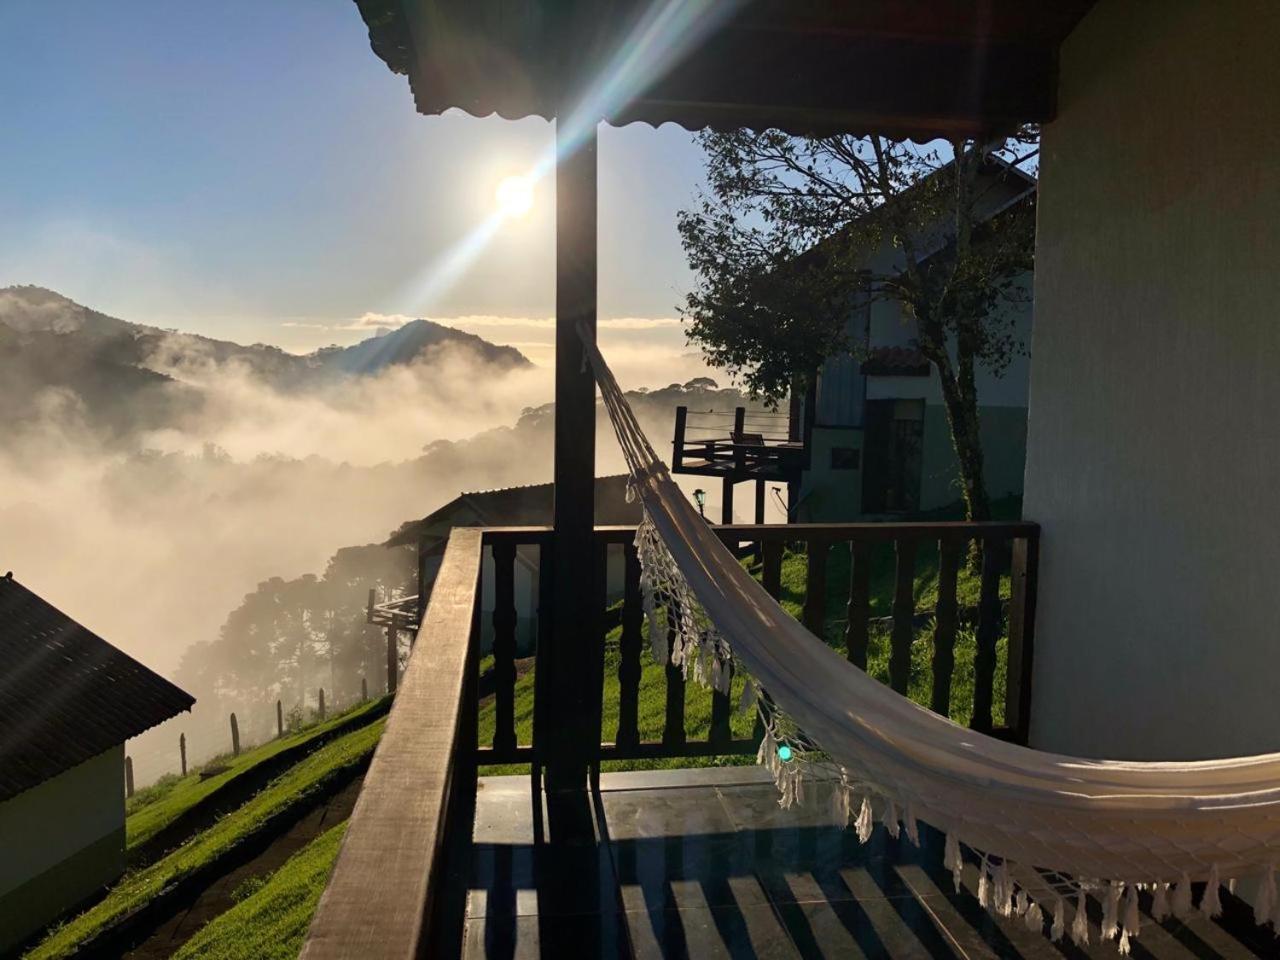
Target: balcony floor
x,y
703,863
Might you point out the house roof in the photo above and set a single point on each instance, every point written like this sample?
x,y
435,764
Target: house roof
x,y
66,695
923,69
527,506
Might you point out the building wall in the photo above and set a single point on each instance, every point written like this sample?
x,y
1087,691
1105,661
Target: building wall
x,y
827,495
1004,451
61,841
1154,450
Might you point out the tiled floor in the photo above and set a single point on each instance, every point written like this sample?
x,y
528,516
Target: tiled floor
x,y
703,863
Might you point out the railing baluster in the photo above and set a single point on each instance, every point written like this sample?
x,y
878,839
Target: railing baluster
x,y
629,651
771,568
721,709
504,645
904,610
944,629
984,661
857,612
815,597
673,730
1024,579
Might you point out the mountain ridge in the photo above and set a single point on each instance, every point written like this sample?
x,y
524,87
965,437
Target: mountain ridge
x,y
124,376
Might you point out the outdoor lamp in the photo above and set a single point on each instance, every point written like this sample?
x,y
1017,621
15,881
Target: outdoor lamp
x,y
700,498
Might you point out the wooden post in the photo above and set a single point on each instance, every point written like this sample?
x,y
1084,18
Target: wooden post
x,y
1024,577
393,659
182,750
569,747
235,736
760,485
279,719
726,501
364,689
128,776
677,448
320,708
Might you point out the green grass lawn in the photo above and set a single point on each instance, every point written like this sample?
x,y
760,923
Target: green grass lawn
x,y
153,808
293,788
270,924
652,695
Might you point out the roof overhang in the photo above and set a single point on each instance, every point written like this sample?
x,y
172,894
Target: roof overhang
x,y
924,69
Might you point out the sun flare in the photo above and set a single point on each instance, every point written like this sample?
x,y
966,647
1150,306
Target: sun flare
x,y
514,196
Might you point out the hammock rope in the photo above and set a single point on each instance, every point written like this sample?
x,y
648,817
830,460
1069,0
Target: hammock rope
x,y
1048,830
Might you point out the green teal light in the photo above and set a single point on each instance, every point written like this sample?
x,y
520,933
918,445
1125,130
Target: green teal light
x,y
784,753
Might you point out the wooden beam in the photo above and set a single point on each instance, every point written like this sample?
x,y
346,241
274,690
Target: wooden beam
x,y
573,556
380,898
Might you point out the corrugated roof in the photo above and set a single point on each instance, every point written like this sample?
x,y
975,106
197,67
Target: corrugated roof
x,y
528,506
923,69
66,695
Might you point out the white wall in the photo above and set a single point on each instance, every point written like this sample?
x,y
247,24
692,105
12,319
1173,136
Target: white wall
x,y
52,821
1154,435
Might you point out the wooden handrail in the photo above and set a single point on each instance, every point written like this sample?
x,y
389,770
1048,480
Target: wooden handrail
x,y
867,532
383,895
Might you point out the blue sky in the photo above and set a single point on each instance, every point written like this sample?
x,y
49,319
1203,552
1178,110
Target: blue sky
x,y
251,170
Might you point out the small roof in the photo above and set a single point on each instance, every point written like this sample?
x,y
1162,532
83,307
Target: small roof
x,y
66,695
528,506
924,69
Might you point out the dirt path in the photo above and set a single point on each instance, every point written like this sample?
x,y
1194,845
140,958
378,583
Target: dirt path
x,y
215,899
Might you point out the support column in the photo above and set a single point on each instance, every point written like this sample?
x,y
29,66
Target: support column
x,y
570,742
726,501
760,485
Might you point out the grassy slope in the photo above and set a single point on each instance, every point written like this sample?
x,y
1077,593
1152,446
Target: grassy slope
x,y
293,788
152,809
272,922
652,698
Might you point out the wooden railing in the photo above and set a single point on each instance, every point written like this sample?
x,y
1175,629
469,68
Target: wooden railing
x,y
1008,550
744,450
623,741
399,885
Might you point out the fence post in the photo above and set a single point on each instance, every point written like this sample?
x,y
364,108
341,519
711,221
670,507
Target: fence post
x,y
279,719
321,707
235,736
364,689
128,776
182,749
393,659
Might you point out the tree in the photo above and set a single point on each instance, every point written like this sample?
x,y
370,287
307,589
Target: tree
x,y
782,243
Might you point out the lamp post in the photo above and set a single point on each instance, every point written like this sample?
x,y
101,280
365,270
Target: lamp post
x,y
700,498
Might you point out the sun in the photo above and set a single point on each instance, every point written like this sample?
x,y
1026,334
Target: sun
x,y
514,196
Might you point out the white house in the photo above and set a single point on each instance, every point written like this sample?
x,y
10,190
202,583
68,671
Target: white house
x,y
68,702
879,443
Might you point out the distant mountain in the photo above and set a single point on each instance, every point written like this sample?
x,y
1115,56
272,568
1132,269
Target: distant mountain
x,y
409,342
127,376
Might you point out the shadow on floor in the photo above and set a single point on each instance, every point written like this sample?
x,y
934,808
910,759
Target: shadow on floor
x,y
703,863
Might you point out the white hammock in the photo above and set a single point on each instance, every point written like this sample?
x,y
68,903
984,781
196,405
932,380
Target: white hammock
x,y
1048,829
